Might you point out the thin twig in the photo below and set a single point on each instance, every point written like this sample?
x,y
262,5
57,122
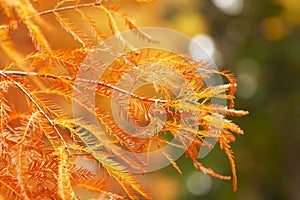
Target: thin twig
x,y
20,73
38,107
98,3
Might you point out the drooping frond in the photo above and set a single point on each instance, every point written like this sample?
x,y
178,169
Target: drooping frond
x,y
92,27
7,46
72,29
65,189
29,16
130,23
226,147
125,179
99,186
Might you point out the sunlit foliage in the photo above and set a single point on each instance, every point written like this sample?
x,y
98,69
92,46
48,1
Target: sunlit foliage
x,y
41,143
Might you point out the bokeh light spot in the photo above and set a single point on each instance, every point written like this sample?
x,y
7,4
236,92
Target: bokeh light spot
x,y
206,43
247,85
250,66
230,7
273,28
199,184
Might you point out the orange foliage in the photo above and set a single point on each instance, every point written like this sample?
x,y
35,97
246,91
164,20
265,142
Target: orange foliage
x,y
41,142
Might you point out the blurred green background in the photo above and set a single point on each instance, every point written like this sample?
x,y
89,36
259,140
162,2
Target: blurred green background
x,y
259,41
